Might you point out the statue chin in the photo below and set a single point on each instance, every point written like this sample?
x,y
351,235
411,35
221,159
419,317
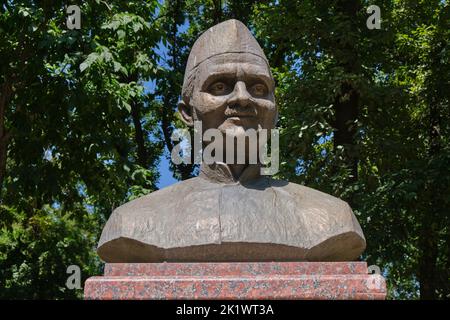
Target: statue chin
x,y
232,131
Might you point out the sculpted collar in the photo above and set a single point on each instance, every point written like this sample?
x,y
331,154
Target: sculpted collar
x,y
219,172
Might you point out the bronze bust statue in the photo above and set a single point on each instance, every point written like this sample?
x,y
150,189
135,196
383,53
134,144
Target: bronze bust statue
x,y
230,212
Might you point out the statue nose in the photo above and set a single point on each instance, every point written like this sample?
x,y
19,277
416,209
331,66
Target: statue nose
x,y
240,95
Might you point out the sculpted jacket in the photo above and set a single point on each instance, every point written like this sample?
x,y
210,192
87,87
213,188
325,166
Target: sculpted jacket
x,y
216,218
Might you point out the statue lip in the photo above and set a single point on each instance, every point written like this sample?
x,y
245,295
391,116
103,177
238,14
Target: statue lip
x,y
239,115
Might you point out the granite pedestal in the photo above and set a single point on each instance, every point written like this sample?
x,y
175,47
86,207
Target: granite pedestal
x,y
258,280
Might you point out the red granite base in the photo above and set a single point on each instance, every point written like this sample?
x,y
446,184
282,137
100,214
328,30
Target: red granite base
x,y
260,280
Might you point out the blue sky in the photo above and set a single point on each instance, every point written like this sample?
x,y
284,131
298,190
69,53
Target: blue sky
x,y
166,178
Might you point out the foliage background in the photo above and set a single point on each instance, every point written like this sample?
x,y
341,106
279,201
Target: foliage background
x,y
86,117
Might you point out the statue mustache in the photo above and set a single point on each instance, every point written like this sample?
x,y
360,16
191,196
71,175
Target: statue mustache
x,y
237,110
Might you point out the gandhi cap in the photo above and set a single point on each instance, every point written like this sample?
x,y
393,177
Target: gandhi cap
x,y
230,36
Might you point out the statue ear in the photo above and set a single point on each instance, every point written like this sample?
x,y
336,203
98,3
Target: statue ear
x,y
186,113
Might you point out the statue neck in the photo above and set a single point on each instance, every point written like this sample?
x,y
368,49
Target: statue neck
x,y
223,173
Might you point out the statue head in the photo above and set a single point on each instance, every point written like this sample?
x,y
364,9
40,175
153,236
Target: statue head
x,y
228,84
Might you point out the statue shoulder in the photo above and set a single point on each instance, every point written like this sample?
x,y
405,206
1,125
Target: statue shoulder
x,y
139,214
161,197
329,221
307,195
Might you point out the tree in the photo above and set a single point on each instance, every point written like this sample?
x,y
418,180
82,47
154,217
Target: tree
x,y
74,127
364,116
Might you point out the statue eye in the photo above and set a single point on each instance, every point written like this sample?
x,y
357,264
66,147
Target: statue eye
x,y
219,89
258,90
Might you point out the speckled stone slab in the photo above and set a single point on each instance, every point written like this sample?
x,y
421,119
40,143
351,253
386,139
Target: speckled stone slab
x,y
244,280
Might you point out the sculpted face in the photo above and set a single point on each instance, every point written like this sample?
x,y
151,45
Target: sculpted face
x,y
233,91
228,86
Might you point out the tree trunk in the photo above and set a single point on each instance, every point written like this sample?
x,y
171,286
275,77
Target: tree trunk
x,y
428,241
346,113
346,102
171,96
4,140
427,263
139,134
437,99
217,18
5,135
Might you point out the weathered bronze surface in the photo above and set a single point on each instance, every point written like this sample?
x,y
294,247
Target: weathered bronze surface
x,y
231,212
